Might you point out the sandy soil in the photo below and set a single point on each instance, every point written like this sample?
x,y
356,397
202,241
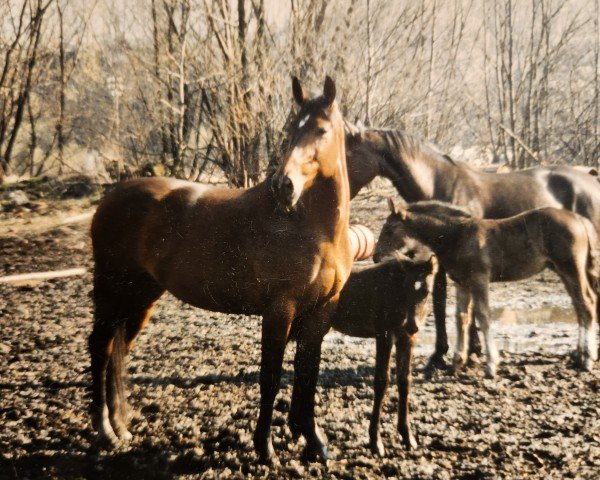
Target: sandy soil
x,y
193,383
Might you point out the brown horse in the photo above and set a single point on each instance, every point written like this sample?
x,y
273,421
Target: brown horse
x,y
476,252
279,249
420,171
388,301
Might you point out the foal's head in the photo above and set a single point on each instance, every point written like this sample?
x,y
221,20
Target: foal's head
x,y
395,241
412,282
431,222
316,147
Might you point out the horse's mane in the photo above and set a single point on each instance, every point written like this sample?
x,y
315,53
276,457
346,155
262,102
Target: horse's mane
x,y
439,209
407,145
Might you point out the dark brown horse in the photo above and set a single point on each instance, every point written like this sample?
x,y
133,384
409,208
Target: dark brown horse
x,y
476,252
420,171
279,249
388,301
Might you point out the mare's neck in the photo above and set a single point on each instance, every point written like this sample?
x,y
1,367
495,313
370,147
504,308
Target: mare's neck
x,y
326,204
417,171
363,167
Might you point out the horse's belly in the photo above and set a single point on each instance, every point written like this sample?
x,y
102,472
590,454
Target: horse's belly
x,y
517,269
219,296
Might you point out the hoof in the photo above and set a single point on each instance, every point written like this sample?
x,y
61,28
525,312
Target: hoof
x,y
490,371
125,436
105,441
588,365
456,368
410,442
316,453
408,439
436,362
473,360
266,453
377,448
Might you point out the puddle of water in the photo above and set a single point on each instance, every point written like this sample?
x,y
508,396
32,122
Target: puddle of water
x,y
550,329
536,316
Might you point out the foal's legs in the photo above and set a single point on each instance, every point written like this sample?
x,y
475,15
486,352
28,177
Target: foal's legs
x,y
306,372
404,348
463,319
440,291
384,343
122,306
481,311
474,342
585,302
275,331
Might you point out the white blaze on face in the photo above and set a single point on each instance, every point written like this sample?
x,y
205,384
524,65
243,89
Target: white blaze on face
x,y
302,122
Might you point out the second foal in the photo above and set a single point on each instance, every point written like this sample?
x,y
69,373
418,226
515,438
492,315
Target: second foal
x,y
387,301
476,252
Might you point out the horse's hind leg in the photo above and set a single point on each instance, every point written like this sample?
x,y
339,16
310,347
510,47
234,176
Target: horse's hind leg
x,y
463,319
481,311
101,346
585,303
404,348
123,306
384,343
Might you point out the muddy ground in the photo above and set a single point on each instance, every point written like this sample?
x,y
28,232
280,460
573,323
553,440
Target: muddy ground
x,y
193,383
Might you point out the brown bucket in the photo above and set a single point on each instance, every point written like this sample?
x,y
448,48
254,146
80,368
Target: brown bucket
x,y
362,241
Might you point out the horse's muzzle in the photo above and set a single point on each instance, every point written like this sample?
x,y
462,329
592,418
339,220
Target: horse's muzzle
x,y
283,190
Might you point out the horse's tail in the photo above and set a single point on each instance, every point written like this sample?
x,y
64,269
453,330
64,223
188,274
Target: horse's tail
x,y
117,368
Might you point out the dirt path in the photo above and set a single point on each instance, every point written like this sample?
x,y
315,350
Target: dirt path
x,y
193,387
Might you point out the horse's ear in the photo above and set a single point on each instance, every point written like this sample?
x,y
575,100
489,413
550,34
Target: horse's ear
x,y
391,204
299,93
354,134
329,90
433,263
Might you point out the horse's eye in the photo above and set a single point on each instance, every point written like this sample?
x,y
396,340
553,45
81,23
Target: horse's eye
x,y
321,131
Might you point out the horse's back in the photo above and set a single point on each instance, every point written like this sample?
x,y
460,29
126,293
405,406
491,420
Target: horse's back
x,y
122,216
508,194
563,232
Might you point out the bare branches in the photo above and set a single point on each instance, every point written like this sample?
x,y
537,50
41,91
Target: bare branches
x,y
188,87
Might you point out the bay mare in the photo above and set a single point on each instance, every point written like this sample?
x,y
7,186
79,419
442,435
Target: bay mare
x,y
475,252
279,249
420,171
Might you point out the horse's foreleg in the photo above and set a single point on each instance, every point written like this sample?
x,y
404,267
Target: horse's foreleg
x,y
440,291
404,348
306,372
275,332
481,310
474,341
384,343
463,319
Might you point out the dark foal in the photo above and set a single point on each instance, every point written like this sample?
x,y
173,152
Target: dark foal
x,y
477,252
387,301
